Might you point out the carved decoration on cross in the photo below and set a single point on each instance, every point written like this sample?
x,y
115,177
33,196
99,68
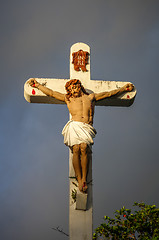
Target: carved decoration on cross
x,y
80,59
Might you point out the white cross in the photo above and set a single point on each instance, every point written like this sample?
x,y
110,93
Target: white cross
x,y
80,222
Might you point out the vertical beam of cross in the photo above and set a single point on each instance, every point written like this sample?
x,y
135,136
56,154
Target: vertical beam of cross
x,y
80,222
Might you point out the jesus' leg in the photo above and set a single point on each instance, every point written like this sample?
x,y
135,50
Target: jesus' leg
x,y
84,165
77,165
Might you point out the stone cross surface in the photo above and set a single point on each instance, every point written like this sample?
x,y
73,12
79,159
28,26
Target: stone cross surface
x,y
80,222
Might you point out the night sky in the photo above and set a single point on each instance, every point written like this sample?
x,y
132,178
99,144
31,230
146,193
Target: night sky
x,y
36,37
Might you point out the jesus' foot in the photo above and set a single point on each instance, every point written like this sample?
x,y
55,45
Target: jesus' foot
x,y
84,186
80,185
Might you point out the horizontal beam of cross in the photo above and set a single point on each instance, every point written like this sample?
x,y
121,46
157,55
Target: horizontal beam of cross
x,y
96,86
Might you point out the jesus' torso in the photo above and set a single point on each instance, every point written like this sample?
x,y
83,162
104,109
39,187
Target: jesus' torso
x,y
82,108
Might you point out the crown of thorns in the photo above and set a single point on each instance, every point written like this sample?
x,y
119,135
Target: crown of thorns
x,y
72,82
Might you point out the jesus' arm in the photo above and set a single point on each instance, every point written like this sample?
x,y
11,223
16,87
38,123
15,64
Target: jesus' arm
x,y
47,91
126,88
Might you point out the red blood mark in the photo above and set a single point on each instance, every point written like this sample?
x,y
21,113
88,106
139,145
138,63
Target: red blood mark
x,y
124,215
127,89
128,96
34,85
84,184
33,92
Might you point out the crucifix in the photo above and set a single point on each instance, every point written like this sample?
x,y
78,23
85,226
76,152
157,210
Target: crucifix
x,y
81,94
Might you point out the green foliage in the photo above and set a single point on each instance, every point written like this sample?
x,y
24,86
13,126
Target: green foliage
x,y
142,224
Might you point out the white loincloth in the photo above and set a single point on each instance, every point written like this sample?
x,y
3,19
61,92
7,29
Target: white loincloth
x,y
78,132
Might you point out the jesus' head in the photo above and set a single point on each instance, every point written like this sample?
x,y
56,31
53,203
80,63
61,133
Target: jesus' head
x,y
74,88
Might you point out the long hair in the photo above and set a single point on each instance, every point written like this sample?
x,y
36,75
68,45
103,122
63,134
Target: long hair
x,y
73,82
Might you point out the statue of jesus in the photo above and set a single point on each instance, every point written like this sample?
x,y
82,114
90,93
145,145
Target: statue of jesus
x,y
79,131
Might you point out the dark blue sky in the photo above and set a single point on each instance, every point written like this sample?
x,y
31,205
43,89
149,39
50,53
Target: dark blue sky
x,y
36,37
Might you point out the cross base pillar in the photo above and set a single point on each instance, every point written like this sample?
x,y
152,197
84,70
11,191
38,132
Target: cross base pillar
x,y
81,207
81,200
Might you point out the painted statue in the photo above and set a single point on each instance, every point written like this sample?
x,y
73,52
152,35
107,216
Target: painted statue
x,y
79,131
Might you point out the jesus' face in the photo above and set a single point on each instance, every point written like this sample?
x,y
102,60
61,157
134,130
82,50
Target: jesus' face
x,y
76,90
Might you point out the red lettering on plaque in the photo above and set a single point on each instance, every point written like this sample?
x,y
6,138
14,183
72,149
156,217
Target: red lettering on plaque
x,y
80,59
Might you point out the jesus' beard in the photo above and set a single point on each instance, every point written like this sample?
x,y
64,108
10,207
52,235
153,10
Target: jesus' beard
x,y
77,94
